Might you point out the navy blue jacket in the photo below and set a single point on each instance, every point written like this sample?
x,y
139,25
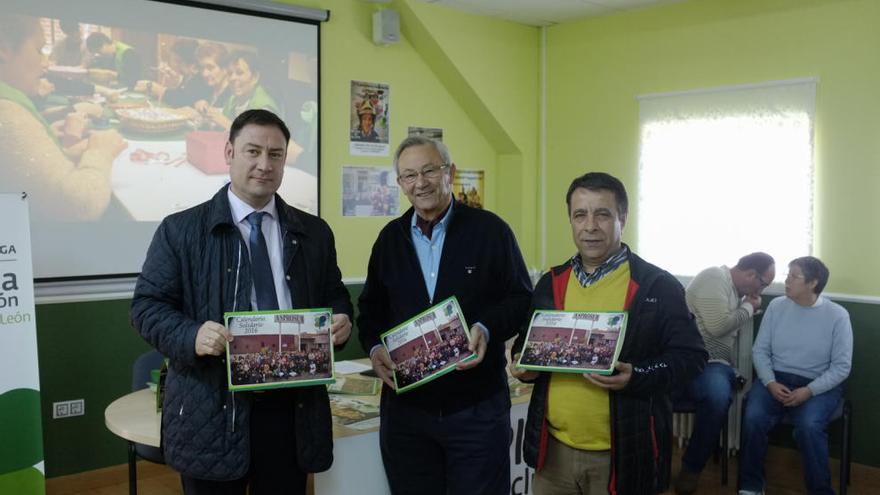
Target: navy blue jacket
x,y
482,266
198,268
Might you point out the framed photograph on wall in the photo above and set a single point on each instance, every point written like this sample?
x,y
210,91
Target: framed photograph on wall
x,y
369,118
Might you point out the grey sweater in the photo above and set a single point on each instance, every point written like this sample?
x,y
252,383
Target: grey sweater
x,y
721,315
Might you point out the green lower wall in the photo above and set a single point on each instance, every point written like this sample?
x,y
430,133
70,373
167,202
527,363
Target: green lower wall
x,y
862,383
86,351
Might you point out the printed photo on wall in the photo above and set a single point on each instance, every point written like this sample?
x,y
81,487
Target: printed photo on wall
x,y
573,342
428,345
468,186
369,192
369,120
273,349
429,132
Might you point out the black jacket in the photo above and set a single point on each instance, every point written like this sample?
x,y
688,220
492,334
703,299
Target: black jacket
x,y
196,269
664,347
482,266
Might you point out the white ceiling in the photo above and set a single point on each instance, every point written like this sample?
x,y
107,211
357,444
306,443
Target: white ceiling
x,y
545,12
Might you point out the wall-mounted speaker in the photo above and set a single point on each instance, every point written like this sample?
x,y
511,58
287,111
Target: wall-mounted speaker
x,y
386,27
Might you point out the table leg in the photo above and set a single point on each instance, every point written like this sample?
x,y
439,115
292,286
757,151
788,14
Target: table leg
x,y
132,469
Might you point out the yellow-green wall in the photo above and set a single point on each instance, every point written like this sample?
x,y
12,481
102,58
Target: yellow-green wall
x,y
478,79
597,67
473,76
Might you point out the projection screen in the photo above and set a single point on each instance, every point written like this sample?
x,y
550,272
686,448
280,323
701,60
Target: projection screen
x,y
114,114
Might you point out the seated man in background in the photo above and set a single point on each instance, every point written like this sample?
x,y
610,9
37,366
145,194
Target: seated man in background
x,y
723,301
802,355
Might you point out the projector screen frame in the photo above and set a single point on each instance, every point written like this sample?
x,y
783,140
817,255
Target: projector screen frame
x,y
96,287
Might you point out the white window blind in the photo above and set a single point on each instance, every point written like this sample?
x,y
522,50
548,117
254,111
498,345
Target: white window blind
x,y
725,172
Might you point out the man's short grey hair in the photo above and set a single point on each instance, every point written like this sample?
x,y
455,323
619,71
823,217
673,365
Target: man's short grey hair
x,y
422,141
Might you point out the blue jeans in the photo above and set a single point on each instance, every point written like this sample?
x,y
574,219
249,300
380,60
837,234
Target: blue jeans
x,y
809,419
712,393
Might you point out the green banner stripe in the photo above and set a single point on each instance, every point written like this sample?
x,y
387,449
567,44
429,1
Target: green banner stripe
x,y
29,481
22,445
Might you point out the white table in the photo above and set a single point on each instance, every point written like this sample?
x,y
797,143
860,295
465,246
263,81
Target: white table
x,y
134,418
357,465
357,460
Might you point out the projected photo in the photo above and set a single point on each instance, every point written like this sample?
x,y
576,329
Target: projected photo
x,y
115,114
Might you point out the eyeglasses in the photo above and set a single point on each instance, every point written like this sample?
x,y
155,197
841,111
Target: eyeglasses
x,y
792,276
764,283
429,172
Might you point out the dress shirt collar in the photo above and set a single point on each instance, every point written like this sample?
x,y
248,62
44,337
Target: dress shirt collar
x,y
240,209
427,227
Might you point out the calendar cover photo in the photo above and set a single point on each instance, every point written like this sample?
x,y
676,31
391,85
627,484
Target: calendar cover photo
x,y
573,342
275,349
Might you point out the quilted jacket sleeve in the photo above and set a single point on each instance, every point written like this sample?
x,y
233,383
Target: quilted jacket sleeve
x,y
156,307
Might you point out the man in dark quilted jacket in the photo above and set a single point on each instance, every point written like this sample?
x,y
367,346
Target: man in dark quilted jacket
x,y
245,249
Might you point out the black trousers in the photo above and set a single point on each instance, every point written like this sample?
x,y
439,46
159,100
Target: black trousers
x,y
273,468
430,453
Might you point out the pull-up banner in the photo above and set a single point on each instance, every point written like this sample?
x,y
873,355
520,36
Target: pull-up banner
x,y
21,450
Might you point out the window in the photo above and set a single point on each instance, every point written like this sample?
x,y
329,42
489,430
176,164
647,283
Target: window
x,y
725,172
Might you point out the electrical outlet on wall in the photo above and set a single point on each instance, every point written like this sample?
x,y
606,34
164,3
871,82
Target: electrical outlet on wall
x,y
68,408
60,409
77,407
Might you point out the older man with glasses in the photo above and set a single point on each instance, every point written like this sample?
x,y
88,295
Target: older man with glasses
x,y
724,301
453,434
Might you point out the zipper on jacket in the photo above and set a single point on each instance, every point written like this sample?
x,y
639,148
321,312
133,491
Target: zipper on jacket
x,y
234,306
237,273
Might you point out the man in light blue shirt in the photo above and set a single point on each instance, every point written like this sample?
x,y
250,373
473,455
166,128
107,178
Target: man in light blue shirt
x,y
802,355
451,435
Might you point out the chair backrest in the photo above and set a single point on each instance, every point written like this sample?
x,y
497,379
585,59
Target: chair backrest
x,y
143,365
